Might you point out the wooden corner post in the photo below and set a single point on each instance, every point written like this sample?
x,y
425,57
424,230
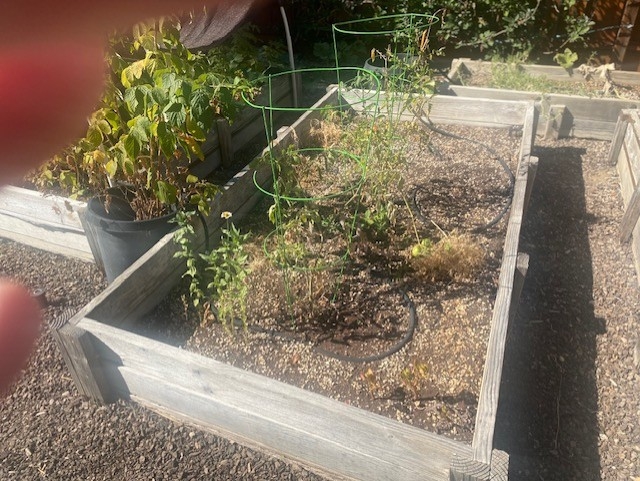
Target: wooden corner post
x,y
80,355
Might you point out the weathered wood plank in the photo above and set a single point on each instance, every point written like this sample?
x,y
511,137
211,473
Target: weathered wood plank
x,y
499,466
492,375
467,469
631,216
625,78
626,179
591,118
45,222
632,150
522,267
51,209
554,122
288,420
635,250
80,355
533,170
618,136
551,72
445,109
55,238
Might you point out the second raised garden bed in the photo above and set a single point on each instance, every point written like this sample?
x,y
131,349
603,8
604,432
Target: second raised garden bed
x,y
561,115
108,361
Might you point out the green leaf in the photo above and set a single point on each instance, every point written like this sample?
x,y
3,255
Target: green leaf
x,y
195,130
192,179
167,139
103,126
130,145
169,82
194,147
201,111
94,136
166,193
111,167
133,72
140,128
175,114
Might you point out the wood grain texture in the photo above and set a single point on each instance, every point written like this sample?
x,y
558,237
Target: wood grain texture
x,y
627,158
492,375
287,420
630,217
533,170
80,355
618,136
467,469
499,466
52,209
444,109
554,122
549,71
46,222
590,118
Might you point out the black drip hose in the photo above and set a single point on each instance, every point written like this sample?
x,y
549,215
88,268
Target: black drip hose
x,y
207,245
408,335
492,151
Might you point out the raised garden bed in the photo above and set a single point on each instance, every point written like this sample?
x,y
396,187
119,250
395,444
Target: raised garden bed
x,y
108,362
561,115
53,223
625,155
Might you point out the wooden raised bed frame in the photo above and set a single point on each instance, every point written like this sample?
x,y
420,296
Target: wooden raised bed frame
x,y
625,155
338,440
53,223
560,115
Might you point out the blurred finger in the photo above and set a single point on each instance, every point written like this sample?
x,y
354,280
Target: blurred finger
x,y
20,320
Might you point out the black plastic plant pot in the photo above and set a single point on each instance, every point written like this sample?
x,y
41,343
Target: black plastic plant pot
x,y
116,239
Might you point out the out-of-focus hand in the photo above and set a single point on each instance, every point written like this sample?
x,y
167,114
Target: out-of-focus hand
x,y
51,76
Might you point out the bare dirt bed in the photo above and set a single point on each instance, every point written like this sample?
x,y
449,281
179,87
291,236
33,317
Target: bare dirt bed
x,y
340,334
570,397
591,84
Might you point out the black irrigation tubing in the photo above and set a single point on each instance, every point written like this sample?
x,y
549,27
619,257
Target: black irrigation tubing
x,y
492,151
207,246
408,335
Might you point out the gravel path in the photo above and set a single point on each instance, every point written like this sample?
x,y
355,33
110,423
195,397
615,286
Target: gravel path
x,y
570,398
49,432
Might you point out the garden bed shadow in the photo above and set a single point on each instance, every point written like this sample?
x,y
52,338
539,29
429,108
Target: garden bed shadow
x,y
549,400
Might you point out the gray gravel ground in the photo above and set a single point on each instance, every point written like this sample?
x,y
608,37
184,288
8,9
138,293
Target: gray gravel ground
x,y
49,432
570,397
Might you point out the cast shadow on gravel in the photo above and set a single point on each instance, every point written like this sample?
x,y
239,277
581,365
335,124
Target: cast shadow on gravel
x,y
548,400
